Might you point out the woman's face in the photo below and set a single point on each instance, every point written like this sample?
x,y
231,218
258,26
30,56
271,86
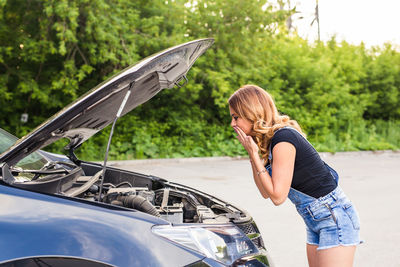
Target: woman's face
x,y
242,123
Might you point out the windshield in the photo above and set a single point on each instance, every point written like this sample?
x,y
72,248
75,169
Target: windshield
x,y
34,161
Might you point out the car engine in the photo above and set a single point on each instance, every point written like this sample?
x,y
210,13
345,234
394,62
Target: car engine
x,y
172,202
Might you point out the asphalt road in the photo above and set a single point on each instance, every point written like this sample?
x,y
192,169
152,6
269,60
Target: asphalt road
x,y
370,179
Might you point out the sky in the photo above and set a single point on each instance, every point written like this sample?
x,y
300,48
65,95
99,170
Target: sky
x,y
372,21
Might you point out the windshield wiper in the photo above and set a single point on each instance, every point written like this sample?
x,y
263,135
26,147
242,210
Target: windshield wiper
x,y
8,173
55,171
50,165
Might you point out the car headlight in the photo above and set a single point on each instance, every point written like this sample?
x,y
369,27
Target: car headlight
x,y
224,243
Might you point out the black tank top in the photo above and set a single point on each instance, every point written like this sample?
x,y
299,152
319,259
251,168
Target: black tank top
x,y
310,176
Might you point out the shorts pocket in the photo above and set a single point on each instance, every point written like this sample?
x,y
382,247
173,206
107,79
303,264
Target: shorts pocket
x,y
352,213
321,212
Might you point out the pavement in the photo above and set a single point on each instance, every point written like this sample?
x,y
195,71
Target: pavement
x,y
370,179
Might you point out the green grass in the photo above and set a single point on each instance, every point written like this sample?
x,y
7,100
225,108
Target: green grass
x,y
376,135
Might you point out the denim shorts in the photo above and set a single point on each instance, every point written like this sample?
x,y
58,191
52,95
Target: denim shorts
x,y
331,221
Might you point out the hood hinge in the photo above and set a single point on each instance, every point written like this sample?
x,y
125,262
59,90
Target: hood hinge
x,y
73,157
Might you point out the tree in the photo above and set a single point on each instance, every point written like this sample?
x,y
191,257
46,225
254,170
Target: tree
x,y
53,51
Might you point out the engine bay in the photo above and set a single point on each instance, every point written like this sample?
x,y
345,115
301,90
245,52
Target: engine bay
x,y
158,197
175,203
153,195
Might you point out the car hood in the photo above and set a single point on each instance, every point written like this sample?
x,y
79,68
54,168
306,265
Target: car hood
x,y
101,105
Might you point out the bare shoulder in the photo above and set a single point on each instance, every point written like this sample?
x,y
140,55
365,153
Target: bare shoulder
x,y
284,154
283,148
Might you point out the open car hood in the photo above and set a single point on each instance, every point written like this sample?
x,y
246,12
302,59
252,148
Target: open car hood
x,y
100,106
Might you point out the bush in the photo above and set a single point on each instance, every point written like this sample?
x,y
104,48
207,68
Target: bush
x,y
345,97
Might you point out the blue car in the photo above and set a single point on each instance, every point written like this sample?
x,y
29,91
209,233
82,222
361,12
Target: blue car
x,y
58,210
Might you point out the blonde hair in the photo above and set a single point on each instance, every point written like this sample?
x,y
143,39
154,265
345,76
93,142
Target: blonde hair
x,y
255,105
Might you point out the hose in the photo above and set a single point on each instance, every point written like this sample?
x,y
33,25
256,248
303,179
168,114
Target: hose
x,y
139,203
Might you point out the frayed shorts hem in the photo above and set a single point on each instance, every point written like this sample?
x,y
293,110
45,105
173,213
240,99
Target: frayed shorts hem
x,y
338,245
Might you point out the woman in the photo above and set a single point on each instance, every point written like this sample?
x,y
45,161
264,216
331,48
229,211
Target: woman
x,y
294,170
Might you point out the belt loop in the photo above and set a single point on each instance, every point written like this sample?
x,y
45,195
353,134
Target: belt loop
x,y
334,197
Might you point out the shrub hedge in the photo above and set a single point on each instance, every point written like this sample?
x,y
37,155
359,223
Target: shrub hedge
x,y
346,97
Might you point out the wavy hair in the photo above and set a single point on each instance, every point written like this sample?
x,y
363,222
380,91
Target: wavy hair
x,y
255,105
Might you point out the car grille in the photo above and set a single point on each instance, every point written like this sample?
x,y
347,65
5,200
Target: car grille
x,y
251,230
247,228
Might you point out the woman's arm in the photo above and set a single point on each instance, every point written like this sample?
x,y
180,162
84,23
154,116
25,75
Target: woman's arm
x,y
258,184
276,187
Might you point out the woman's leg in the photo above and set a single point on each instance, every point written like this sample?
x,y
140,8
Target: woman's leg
x,y
312,255
342,256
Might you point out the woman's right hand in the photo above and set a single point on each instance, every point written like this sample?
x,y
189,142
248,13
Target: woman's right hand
x,y
247,142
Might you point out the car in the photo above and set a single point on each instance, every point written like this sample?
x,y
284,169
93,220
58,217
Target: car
x,y
58,210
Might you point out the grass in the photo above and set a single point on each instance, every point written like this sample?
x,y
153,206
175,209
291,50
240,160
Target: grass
x,y
376,135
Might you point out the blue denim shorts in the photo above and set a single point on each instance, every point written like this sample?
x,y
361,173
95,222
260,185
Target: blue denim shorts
x,y
331,221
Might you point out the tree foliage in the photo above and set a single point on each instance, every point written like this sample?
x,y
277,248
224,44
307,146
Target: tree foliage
x,y
345,96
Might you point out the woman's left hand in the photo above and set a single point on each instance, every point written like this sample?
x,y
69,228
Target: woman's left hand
x,y
246,141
